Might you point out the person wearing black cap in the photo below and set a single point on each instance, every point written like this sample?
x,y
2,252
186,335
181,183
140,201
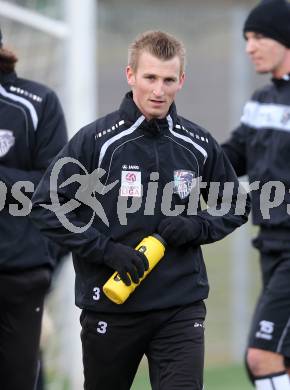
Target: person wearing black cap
x,y
32,132
260,148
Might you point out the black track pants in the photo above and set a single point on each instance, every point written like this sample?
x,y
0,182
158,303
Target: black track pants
x,y
21,306
172,340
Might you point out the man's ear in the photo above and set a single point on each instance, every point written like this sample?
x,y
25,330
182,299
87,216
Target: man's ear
x,y
181,80
130,74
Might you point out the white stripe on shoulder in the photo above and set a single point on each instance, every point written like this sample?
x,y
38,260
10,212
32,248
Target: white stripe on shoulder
x,y
266,116
118,136
186,139
23,101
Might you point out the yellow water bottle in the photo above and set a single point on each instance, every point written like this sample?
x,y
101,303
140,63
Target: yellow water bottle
x,y
153,248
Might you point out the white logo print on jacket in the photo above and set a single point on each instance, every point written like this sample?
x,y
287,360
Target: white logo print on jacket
x,y
7,140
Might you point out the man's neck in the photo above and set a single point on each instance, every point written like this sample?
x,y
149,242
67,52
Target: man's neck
x,y
284,69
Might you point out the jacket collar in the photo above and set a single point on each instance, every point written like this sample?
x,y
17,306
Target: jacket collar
x,y
130,112
285,80
8,78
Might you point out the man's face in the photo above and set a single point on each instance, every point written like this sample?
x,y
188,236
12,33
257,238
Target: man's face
x,y
267,55
154,84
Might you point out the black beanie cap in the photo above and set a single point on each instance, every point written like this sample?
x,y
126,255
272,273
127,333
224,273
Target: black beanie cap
x,y
272,19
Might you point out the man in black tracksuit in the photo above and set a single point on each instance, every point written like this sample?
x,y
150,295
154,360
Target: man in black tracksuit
x,y
149,161
260,148
32,132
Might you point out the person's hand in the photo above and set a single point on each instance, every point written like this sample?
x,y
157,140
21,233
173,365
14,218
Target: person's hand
x,y
126,260
179,230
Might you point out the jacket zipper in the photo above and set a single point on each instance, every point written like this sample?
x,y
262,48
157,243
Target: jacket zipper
x,y
156,156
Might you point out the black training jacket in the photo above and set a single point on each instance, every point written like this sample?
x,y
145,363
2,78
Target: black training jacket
x,y
260,148
130,151
32,132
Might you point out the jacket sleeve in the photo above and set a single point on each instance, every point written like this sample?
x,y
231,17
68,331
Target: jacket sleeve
x,y
235,149
228,204
50,137
55,208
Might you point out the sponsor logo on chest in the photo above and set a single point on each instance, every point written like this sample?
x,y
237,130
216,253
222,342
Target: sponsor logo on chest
x,y
131,181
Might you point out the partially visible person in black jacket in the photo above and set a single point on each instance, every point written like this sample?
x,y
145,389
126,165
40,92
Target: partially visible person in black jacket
x,y
260,148
125,176
32,132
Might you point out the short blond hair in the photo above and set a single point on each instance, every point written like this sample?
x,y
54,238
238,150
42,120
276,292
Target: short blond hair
x,y
160,44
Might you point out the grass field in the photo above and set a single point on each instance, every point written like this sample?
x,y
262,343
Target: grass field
x,y
216,378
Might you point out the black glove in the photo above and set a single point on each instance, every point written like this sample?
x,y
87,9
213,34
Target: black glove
x,y
125,259
179,230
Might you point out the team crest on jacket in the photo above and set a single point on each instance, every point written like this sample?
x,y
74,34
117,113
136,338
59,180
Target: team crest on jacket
x,y
183,182
7,140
